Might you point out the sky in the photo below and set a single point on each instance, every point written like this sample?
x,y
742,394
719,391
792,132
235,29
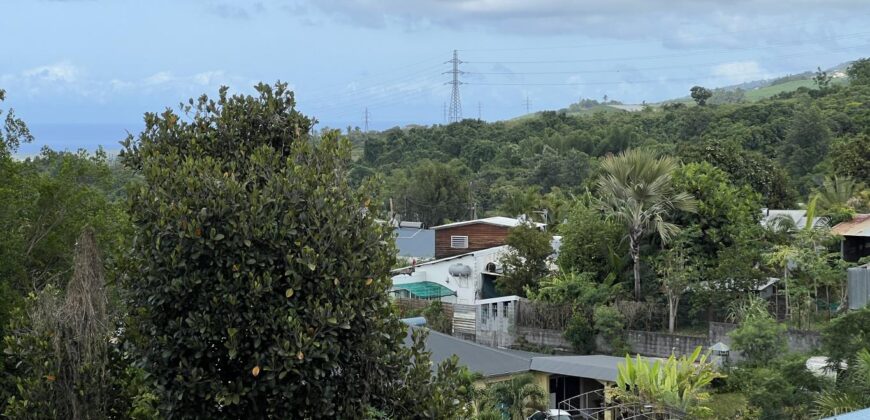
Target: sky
x,y
82,73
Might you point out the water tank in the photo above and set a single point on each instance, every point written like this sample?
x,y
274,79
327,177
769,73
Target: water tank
x,y
459,270
859,286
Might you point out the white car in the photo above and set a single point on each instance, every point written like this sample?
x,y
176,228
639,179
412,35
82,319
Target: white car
x,y
551,414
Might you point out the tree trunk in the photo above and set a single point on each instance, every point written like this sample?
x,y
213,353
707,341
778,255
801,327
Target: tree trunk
x,y
634,249
672,312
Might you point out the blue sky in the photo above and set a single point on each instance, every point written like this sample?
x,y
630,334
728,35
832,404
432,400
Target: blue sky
x,y
76,69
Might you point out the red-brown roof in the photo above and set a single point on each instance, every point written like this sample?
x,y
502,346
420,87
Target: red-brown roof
x,y
858,226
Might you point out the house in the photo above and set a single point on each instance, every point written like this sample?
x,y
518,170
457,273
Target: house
x,y
461,279
574,383
473,235
856,237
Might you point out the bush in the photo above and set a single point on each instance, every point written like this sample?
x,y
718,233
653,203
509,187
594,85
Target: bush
x,y
610,324
760,339
580,333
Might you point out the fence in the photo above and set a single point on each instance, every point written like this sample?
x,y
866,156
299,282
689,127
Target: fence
x,y
543,316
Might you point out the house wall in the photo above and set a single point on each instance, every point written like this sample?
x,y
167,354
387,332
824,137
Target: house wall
x,y
466,288
480,236
496,330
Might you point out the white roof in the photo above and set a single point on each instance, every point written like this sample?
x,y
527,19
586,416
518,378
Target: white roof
x,y
798,216
496,221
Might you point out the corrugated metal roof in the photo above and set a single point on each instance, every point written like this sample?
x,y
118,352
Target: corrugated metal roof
x,y
496,221
863,414
603,368
798,216
487,361
858,226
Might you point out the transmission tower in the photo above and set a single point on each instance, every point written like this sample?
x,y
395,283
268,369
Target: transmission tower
x,y
455,114
444,112
528,104
479,111
366,125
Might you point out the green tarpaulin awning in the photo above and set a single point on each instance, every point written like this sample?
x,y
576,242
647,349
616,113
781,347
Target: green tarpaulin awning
x,y
424,289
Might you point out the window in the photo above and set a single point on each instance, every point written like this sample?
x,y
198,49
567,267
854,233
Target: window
x,y
459,242
495,310
504,307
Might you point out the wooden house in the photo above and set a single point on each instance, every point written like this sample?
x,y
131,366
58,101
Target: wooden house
x,y
473,235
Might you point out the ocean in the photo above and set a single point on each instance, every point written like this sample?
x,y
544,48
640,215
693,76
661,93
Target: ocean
x,y
72,137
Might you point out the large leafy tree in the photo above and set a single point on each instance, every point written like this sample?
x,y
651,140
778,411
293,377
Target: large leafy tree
x,y
849,157
525,264
637,191
591,243
257,280
433,192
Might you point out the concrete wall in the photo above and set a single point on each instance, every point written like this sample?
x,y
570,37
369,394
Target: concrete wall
x,y
663,344
542,337
798,340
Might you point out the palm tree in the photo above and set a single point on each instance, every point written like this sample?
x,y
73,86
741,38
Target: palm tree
x,y
837,191
519,396
636,189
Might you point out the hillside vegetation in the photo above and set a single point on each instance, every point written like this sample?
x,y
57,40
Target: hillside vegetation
x,y
781,147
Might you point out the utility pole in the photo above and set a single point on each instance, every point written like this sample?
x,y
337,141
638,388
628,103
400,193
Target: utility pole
x,y
366,120
528,104
455,101
479,111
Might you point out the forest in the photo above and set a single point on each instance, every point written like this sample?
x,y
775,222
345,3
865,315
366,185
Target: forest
x,y
228,264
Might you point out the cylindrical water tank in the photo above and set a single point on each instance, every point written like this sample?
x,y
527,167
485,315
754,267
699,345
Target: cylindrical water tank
x,y
459,270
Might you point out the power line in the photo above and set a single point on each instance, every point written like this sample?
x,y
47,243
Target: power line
x,y
663,56
455,101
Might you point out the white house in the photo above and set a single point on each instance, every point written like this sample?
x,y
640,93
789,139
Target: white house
x,y
460,279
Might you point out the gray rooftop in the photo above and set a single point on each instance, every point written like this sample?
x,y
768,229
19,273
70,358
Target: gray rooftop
x,y
415,242
603,368
490,361
487,361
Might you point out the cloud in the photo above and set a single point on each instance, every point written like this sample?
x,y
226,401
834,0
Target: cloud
x,y
236,11
740,71
58,72
676,21
159,78
209,77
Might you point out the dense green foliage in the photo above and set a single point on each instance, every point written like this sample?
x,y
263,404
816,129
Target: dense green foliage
x,y
257,273
253,269
526,262
679,384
